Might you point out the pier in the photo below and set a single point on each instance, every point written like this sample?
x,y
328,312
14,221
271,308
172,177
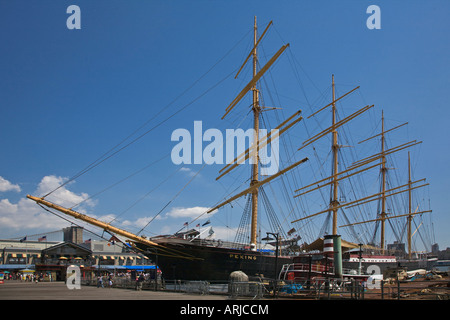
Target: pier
x,y
23,290
327,289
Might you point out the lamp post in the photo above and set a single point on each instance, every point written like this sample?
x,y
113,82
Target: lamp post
x,y
360,258
276,235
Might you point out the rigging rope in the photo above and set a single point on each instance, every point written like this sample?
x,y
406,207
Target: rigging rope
x,y
173,198
97,162
122,180
145,195
243,231
104,157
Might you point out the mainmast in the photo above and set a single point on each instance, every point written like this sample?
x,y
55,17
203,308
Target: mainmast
x,y
335,147
255,167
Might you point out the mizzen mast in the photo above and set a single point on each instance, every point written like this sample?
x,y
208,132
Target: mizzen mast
x,y
409,219
383,185
385,193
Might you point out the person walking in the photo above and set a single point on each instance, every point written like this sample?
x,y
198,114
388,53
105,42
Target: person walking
x,y
100,282
140,282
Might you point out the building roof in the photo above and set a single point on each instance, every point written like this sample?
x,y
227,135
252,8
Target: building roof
x,y
68,248
346,245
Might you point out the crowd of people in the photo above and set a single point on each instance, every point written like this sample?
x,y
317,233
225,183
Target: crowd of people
x,y
104,280
109,280
26,276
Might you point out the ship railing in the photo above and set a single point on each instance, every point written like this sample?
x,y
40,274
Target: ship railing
x,y
302,267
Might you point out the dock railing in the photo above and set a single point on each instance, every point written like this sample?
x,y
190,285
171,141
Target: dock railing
x,y
315,288
329,288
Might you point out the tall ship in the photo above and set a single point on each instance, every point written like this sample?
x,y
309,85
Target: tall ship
x,y
189,255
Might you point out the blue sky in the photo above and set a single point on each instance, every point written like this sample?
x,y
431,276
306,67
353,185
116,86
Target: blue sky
x,y
68,96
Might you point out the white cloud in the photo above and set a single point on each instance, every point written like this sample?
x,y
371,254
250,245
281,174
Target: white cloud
x,y
188,171
25,215
221,232
139,223
193,212
5,185
62,196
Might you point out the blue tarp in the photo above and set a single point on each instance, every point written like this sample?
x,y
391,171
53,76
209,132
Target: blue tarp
x,y
292,288
112,267
16,266
140,267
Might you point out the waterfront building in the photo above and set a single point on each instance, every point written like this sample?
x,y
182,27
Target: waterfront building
x,y
50,259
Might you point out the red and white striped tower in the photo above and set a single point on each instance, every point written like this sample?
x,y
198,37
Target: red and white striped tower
x,y
328,246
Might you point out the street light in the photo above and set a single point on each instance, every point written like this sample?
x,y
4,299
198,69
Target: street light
x,y
267,238
360,258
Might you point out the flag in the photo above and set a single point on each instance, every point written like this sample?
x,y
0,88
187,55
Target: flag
x,y
185,224
87,241
23,239
42,238
291,231
207,222
211,231
198,225
113,239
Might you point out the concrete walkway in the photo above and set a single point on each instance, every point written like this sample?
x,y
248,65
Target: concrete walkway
x,y
17,290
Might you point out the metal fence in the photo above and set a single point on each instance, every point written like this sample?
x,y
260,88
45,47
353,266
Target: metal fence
x,y
319,288
358,290
248,290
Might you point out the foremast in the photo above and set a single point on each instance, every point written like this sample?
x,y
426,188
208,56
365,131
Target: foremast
x,y
255,166
258,142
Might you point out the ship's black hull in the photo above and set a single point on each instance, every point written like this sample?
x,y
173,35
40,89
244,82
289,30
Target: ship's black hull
x,y
212,263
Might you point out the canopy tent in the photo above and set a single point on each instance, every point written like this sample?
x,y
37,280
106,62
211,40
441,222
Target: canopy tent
x,y
27,271
16,266
112,267
143,267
